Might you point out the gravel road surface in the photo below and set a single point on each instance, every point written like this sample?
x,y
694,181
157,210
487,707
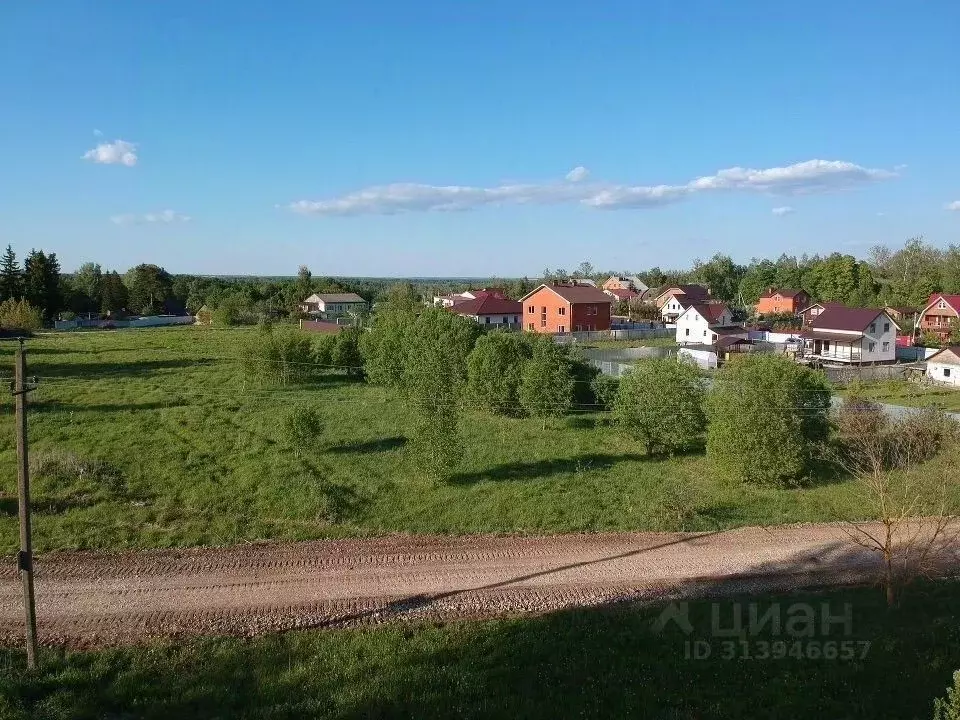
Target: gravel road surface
x,y
87,599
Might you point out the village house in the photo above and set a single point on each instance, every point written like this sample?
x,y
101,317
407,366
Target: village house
x,y
779,302
625,282
620,294
454,298
333,304
944,366
940,316
696,324
566,308
673,300
491,311
851,335
905,317
810,313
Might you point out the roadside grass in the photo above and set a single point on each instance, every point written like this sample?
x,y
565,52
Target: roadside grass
x,y
588,663
911,394
151,438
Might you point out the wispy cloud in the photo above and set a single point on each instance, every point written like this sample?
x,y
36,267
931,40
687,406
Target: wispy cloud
x,y
118,152
801,178
955,206
783,210
166,217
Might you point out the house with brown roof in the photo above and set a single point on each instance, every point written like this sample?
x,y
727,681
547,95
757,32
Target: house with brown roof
x,y
454,298
624,282
673,300
490,311
851,335
333,304
566,308
944,366
711,324
940,316
809,313
781,301
905,317
621,294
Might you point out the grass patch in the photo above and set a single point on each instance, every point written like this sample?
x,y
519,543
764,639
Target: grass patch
x,y
667,342
598,663
161,442
911,394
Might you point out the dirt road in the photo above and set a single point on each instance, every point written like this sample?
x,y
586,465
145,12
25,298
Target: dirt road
x,y
95,599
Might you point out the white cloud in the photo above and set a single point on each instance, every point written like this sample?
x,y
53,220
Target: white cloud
x,y
165,217
800,178
955,206
97,133
118,152
783,210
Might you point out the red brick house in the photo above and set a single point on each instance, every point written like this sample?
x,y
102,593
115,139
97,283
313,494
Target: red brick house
x,y
566,308
777,302
940,316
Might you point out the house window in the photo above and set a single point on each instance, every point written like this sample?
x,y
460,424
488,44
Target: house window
x,y
687,332
704,333
942,305
562,329
873,327
871,347
516,319
487,320
531,309
886,346
946,372
562,311
886,327
530,327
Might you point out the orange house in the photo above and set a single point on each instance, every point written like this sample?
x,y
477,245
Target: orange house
x,y
566,308
776,302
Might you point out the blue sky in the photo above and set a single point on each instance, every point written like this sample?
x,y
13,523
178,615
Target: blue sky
x,y
382,138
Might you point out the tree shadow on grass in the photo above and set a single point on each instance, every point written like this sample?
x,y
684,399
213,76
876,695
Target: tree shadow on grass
x,y
359,447
84,370
53,406
525,470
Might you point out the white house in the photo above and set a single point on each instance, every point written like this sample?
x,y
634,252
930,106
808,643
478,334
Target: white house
x,y
851,335
625,282
944,366
333,304
672,301
697,323
491,311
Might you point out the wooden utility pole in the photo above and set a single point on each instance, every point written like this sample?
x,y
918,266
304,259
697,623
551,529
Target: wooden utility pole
x,y
25,557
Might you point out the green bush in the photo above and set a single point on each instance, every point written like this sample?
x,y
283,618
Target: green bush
x,y
768,419
277,356
20,315
605,388
660,403
302,424
948,708
494,372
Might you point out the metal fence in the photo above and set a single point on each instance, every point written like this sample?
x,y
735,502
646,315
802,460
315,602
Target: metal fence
x,y
631,334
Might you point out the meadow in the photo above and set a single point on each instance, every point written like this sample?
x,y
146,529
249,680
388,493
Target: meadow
x,y
152,438
588,663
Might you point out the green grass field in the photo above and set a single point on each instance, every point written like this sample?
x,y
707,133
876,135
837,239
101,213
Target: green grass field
x,y
600,663
911,394
166,446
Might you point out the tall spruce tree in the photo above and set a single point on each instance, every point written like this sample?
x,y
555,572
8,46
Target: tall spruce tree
x,y
11,276
41,283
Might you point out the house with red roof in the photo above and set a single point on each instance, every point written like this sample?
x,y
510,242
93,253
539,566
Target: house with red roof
x,y
940,316
454,298
782,301
851,335
566,308
490,311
